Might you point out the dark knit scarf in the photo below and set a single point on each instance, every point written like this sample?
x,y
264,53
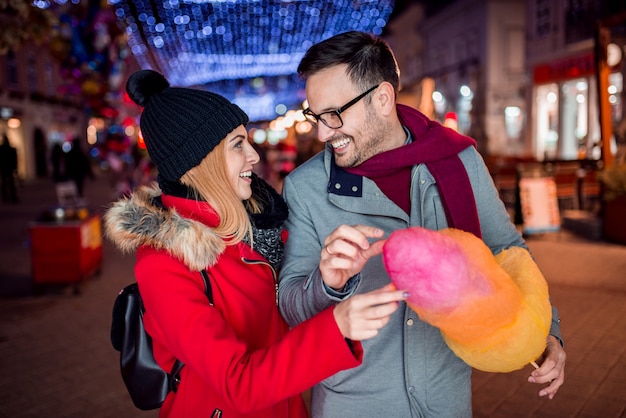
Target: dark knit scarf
x,y
266,225
437,147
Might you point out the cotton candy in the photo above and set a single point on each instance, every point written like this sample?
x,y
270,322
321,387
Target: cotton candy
x,y
493,312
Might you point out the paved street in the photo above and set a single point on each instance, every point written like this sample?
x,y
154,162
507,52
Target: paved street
x,y
56,359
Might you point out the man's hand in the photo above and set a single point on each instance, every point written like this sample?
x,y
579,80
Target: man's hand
x,y
552,369
345,252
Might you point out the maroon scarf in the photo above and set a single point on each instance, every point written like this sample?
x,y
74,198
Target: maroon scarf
x,y
437,147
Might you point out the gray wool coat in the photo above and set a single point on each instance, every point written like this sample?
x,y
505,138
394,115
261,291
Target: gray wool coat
x,y
407,370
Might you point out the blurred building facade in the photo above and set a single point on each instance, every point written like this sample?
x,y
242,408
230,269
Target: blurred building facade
x,y
62,74
33,112
468,56
520,75
563,95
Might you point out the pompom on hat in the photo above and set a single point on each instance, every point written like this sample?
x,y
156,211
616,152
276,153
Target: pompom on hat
x,y
180,125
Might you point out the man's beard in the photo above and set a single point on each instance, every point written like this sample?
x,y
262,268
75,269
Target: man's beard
x,y
371,141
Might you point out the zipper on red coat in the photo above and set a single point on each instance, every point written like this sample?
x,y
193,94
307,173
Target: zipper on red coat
x,y
274,275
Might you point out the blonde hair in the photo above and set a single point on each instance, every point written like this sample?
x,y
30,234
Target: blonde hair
x,y
210,180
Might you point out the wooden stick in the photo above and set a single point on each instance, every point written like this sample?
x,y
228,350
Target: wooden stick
x,y
535,365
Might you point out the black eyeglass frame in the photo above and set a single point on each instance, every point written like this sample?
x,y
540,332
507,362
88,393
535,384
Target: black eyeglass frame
x,y
309,113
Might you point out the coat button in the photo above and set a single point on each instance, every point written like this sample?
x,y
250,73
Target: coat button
x,y
410,322
355,189
422,181
337,186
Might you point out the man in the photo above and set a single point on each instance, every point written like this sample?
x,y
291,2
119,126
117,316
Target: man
x,y
385,167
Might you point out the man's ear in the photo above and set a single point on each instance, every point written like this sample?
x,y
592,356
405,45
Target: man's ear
x,y
385,97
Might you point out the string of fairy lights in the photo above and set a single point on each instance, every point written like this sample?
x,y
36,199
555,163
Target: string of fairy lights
x,y
246,50
199,42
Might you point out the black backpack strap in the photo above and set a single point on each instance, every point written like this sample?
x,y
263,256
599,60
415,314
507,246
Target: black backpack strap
x,y
174,376
208,289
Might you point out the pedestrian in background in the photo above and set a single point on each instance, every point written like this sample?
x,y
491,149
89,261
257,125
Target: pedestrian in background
x,y
385,167
210,212
8,170
77,166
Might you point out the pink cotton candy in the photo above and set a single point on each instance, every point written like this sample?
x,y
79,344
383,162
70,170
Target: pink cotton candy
x,y
493,312
417,259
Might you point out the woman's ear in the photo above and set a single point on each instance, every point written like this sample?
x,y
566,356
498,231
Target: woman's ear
x,y
385,97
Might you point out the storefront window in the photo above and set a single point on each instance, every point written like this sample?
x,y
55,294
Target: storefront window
x,y
513,121
615,94
574,118
567,120
547,120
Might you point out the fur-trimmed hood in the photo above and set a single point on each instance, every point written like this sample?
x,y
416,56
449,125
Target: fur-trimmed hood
x,y
136,221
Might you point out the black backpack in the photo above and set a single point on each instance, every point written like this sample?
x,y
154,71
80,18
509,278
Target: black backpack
x,y
147,384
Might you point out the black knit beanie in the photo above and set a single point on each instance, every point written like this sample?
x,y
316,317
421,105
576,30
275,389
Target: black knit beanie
x,y
180,125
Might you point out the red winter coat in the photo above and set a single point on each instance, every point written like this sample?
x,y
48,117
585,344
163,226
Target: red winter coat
x,y
240,357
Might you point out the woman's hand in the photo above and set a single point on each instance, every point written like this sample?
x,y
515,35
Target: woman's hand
x,y
361,316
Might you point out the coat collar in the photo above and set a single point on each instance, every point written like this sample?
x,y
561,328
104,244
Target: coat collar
x,y
342,183
140,221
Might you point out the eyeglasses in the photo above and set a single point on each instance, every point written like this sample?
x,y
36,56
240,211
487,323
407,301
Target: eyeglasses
x,y
332,118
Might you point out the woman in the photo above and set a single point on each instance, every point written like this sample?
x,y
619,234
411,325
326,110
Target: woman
x,y
210,212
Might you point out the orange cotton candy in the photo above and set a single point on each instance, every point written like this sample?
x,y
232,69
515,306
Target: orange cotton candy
x,y
493,312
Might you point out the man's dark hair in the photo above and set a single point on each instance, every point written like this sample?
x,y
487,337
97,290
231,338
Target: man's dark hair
x,y
370,60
